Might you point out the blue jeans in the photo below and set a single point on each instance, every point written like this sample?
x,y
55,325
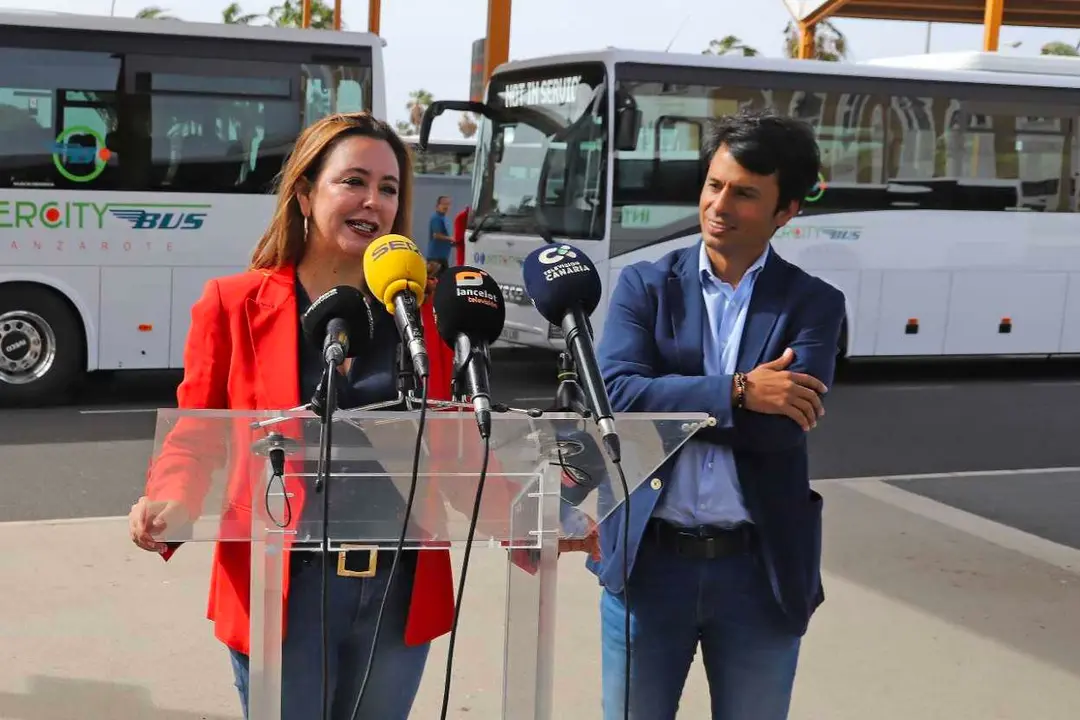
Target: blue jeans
x,y
727,605
352,610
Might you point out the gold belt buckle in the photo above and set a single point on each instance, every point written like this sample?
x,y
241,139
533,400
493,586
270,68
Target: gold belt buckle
x,y
373,564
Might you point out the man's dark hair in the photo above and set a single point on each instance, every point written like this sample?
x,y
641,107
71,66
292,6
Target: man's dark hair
x,y
764,143
439,199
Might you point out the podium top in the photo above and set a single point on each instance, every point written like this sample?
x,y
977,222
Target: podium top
x,y
228,479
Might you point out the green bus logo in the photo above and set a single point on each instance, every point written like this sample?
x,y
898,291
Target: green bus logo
x,y
818,190
97,157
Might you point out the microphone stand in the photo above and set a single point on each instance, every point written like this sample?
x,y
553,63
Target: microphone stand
x,y
569,397
406,378
326,403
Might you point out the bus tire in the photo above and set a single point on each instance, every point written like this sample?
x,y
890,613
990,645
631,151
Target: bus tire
x,y
42,345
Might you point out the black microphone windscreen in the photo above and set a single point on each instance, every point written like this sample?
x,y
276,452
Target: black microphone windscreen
x,y
346,303
559,278
468,302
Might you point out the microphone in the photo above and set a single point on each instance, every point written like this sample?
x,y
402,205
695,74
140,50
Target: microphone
x,y
397,276
469,314
339,321
565,289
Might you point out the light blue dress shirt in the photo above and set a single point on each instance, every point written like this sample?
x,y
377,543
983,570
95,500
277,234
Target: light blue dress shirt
x,y
703,488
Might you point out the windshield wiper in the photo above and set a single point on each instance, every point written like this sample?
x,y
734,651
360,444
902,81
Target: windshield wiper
x,y
490,214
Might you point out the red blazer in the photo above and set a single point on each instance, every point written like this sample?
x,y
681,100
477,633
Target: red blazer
x,y
241,354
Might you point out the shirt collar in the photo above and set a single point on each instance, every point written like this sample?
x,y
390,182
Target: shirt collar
x,y
706,271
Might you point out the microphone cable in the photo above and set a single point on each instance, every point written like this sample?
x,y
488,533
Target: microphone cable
x,y
465,561
617,461
322,477
400,544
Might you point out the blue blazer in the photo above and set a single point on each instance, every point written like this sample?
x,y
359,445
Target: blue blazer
x,y
650,357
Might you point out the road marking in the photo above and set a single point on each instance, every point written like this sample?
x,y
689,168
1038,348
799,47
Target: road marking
x,y
944,475
118,411
1061,556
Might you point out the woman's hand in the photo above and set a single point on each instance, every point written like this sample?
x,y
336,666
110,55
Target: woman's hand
x,y
149,518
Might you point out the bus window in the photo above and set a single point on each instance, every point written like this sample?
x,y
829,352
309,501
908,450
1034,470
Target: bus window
x,y
211,126
331,89
58,116
657,185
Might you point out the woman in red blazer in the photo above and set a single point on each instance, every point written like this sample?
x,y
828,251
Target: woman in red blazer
x,y
347,182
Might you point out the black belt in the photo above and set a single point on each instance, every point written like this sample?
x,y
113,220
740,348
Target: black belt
x,y
352,560
700,543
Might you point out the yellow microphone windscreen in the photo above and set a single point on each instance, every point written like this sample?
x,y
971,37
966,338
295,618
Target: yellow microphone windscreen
x,y
393,263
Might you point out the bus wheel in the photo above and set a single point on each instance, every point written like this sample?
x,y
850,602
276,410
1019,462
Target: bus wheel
x,y
41,345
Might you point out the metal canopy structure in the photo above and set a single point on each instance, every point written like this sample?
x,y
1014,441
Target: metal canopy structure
x,y
992,14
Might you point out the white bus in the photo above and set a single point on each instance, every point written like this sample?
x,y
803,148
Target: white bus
x,y
442,157
135,162
946,211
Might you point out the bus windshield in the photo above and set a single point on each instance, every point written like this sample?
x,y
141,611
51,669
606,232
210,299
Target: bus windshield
x,y
540,163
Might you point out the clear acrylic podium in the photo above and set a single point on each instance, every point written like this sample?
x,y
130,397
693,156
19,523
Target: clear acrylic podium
x,y
547,478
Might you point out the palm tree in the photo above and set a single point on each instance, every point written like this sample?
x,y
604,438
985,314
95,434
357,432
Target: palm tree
x,y
829,43
291,14
419,100
1060,48
154,13
235,15
729,44
467,125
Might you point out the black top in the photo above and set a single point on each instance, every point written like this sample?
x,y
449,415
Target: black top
x,y
360,508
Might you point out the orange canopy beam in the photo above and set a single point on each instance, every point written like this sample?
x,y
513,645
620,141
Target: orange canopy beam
x,y
995,10
992,14
497,46
374,14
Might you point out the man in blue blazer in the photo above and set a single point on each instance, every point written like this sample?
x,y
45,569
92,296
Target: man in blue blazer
x,y
725,539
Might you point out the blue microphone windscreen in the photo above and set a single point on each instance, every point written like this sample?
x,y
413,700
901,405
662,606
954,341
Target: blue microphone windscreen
x,y
559,278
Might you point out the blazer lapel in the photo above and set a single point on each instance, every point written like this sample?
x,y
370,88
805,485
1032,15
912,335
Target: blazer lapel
x,y
766,305
687,312
273,324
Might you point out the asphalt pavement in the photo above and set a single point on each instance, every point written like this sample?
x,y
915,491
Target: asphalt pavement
x,y
951,494
89,458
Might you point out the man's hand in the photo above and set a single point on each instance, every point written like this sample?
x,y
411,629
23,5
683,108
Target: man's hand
x,y
587,542
772,389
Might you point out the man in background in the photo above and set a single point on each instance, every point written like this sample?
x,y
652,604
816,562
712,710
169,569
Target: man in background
x,y
439,240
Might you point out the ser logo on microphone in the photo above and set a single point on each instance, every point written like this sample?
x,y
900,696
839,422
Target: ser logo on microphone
x,y
469,284
555,255
396,244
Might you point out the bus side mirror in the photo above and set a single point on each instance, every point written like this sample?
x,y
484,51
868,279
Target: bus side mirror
x,y
627,127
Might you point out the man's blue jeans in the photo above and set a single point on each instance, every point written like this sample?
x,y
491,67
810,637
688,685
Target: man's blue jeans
x,y
353,608
727,605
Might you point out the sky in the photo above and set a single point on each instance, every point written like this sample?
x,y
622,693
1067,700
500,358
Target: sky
x,y
429,44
